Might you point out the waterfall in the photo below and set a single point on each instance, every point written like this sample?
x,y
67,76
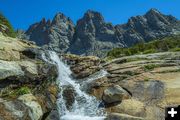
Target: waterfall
x,y
85,107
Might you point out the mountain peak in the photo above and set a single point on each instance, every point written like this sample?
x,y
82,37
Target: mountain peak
x,y
59,18
90,14
43,21
60,15
153,11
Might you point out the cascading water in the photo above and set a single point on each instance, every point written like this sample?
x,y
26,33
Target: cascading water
x,y
85,107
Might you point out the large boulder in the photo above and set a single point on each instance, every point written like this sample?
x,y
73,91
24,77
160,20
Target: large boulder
x,y
69,96
130,107
11,110
115,94
35,109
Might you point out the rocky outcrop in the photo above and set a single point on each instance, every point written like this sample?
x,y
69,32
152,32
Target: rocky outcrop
x,y
27,84
131,107
55,35
92,35
151,81
83,66
69,96
9,69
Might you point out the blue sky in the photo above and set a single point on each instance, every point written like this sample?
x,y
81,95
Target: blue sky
x,y
23,13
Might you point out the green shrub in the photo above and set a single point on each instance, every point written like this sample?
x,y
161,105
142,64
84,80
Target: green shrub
x,y
175,50
149,51
146,79
171,43
23,90
150,66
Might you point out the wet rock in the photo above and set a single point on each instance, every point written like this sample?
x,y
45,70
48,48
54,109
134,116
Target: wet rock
x,y
54,115
69,96
48,97
46,72
114,94
52,95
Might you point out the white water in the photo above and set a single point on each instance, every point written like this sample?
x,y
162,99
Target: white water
x,y
85,106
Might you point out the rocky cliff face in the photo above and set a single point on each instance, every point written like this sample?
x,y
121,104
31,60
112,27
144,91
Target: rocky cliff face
x,y
150,26
56,34
93,36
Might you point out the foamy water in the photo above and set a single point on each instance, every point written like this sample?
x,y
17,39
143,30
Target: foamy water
x,y
85,107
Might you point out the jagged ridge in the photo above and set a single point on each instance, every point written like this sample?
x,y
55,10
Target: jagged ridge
x,y
93,36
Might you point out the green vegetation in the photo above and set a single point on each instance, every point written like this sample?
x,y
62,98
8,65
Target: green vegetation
x,y
171,43
23,90
146,79
150,66
14,93
175,49
5,27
